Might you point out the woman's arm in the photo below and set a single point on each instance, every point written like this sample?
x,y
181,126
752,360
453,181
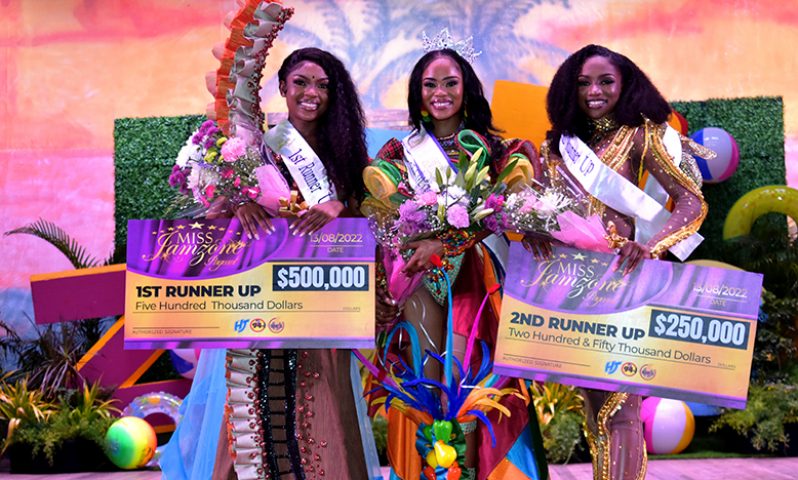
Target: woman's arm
x,y
689,209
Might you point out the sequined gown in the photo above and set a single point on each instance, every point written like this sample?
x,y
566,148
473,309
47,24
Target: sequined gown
x,y
615,434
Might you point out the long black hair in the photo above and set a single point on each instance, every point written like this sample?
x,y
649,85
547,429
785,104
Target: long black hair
x,y
479,117
342,128
639,97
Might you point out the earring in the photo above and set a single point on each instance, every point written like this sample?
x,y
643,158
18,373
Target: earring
x,y
425,116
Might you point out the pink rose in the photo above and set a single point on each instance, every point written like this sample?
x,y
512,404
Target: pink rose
x,y
457,216
233,149
428,198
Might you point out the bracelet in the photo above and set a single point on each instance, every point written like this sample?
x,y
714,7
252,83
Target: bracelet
x,y
614,240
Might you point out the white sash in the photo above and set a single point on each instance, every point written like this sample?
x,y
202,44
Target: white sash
x,y
423,157
618,193
305,166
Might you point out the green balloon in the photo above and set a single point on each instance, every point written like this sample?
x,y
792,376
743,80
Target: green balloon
x,y
443,430
130,443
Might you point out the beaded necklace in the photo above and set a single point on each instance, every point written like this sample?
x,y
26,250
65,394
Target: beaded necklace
x,y
449,144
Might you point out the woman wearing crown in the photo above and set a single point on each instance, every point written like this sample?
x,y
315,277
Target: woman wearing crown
x,y
450,117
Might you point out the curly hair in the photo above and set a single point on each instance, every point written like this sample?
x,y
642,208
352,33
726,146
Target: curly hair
x,y
342,128
639,97
479,118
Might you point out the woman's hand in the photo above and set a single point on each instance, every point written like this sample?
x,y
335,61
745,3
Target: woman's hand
x,y
386,308
538,245
424,249
316,217
632,253
252,215
218,209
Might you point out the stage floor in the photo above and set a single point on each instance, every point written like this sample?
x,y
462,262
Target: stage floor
x,y
708,469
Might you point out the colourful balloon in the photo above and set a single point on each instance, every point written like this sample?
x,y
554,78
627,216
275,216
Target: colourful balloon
x,y
758,202
130,443
723,144
668,425
185,361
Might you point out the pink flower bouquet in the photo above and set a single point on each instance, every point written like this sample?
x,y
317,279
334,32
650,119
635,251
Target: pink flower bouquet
x,y
211,166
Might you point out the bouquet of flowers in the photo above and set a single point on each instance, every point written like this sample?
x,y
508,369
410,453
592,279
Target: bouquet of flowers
x,y
456,203
528,210
212,167
558,211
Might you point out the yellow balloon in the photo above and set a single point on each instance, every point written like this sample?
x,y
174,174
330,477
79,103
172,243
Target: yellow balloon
x,y
378,183
431,460
445,454
758,202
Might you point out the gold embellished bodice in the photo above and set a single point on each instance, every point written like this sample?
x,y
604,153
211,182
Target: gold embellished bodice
x,y
635,152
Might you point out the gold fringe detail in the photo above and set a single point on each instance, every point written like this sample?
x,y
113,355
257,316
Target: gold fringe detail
x,y
663,159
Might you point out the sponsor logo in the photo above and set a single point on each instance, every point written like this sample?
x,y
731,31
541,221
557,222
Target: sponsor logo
x,y
276,325
629,369
257,325
611,366
241,325
647,372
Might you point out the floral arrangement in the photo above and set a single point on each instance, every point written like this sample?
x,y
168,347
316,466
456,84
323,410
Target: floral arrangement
x,y
529,210
211,166
454,201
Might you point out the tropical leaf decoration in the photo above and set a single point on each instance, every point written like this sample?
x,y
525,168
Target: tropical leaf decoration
x,y
50,358
57,237
380,40
21,405
553,399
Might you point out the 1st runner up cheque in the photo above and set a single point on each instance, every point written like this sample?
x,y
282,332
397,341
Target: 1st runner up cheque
x,y
204,284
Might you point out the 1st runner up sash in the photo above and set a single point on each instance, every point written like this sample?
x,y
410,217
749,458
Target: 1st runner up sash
x,y
304,164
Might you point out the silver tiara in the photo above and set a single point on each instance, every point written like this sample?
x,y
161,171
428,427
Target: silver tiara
x,y
444,40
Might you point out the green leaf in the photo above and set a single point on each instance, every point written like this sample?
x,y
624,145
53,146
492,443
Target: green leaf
x,y
506,171
57,237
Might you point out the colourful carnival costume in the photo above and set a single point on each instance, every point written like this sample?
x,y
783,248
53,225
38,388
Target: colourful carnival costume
x,y
474,268
629,176
278,414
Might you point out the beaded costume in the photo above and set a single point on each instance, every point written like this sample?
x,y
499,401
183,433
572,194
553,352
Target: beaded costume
x,y
614,428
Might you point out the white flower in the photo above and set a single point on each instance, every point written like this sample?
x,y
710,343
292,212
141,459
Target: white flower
x,y
199,178
551,202
456,195
188,152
